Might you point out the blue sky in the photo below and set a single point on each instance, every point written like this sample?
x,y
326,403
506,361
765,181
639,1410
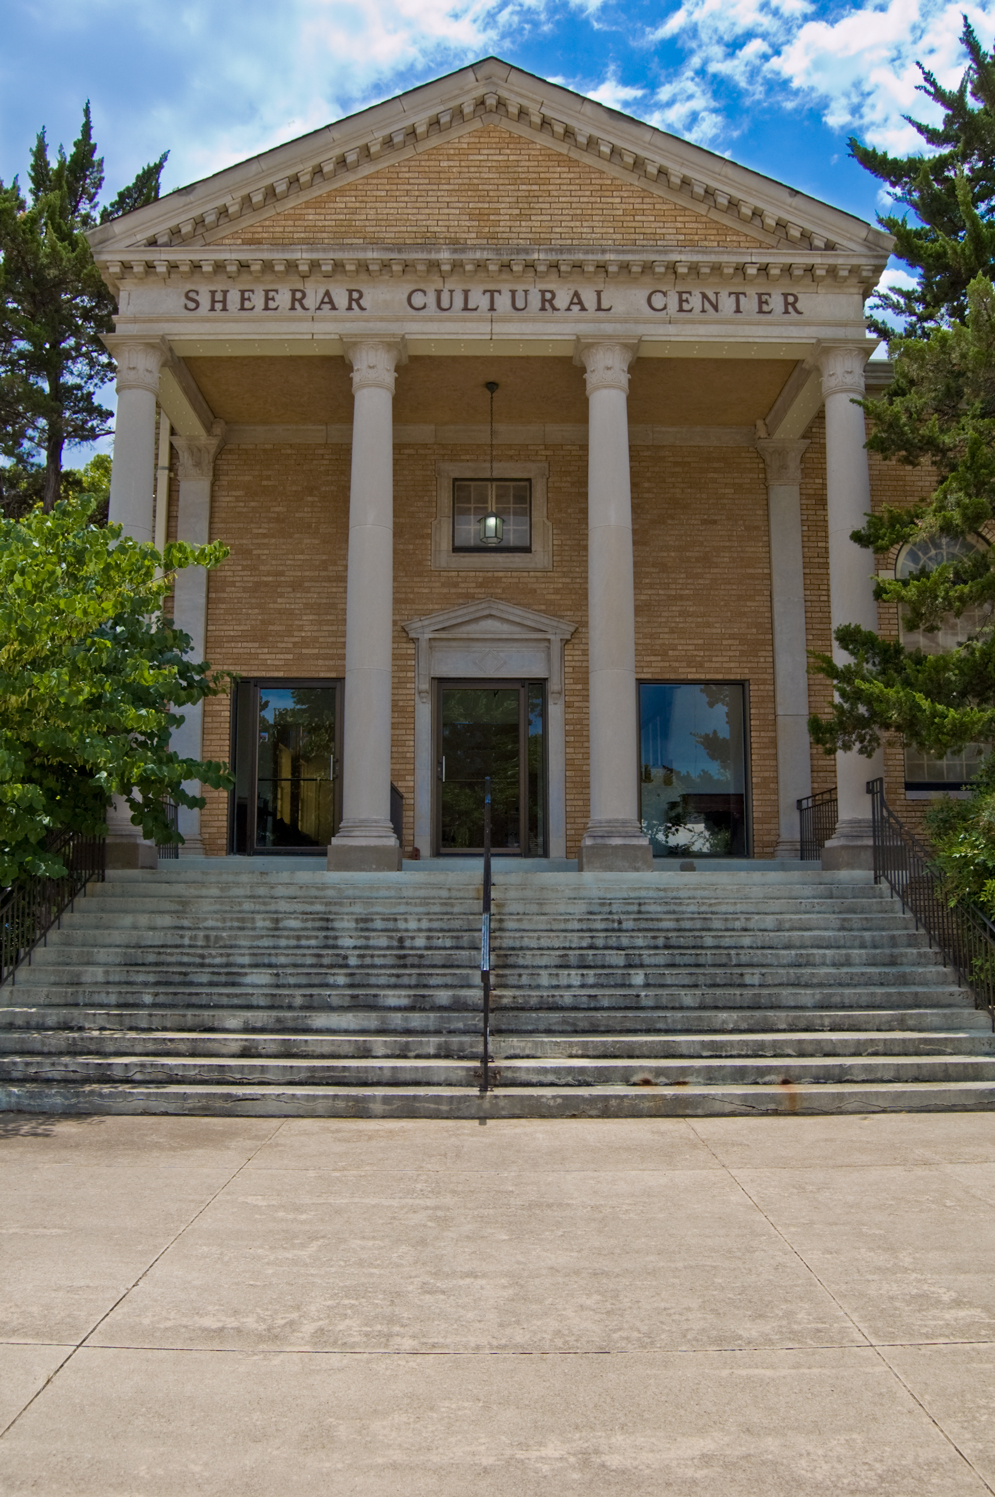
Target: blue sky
x,y
778,85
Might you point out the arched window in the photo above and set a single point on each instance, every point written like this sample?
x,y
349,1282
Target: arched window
x,y
924,772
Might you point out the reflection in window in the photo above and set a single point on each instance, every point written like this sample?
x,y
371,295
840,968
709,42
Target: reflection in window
x,y
295,767
511,498
693,769
925,771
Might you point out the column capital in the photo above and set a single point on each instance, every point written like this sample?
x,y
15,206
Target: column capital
x,y
782,459
138,361
195,455
842,366
606,362
374,361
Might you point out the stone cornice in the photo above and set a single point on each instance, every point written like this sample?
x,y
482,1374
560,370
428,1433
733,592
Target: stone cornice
x,y
492,93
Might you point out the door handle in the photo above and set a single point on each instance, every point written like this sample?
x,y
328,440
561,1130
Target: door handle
x,y
442,769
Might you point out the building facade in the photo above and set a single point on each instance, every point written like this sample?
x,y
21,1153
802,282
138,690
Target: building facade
x,y
532,432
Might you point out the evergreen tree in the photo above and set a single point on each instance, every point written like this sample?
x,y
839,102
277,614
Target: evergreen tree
x,y
951,192
53,308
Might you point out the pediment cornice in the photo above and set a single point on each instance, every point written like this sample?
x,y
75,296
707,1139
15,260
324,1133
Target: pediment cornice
x,y
490,92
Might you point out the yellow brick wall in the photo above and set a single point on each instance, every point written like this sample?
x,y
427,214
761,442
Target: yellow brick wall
x,y
489,186
277,606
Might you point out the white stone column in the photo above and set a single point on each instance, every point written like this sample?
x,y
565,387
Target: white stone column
x,y
365,839
782,460
851,583
614,840
132,506
195,472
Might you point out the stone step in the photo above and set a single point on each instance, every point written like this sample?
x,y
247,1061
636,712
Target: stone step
x,y
262,925
513,1102
876,990
100,946
184,1044
388,1071
544,1022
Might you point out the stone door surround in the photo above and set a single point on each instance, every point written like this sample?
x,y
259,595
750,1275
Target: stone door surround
x,y
492,640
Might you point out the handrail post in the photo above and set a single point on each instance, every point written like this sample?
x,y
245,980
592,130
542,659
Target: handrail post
x,y
485,945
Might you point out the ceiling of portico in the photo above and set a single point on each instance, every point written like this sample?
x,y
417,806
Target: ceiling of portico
x,y
450,391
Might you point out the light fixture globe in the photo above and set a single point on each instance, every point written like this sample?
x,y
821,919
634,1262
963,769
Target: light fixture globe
x,y
491,530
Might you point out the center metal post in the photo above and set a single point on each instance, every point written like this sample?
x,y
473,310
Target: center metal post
x,y
485,944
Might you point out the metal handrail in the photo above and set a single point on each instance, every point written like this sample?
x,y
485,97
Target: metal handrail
x,y
170,849
485,946
29,908
964,936
817,818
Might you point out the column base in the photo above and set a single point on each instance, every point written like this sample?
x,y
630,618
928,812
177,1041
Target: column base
x,y
364,847
788,847
850,847
614,847
131,852
192,847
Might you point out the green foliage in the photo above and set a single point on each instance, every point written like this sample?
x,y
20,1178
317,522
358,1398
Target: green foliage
x,y
53,308
962,833
91,675
952,194
941,411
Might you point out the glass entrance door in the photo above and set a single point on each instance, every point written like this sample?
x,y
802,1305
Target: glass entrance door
x,y
496,729
285,754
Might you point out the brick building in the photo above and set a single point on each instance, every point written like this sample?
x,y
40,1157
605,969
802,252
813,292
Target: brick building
x,y
597,581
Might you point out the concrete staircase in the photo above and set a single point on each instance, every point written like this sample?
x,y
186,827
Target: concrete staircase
x,y
252,988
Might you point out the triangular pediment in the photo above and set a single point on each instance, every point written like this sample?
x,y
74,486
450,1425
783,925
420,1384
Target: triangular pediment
x,y
489,618
488,157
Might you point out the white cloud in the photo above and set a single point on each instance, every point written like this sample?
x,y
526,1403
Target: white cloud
x,y
858,69
616,95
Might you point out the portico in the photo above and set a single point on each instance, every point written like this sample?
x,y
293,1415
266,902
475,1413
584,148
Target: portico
x,y
664,329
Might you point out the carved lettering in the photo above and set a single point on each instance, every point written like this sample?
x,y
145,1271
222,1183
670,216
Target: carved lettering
x,y
597,305
712,300
466,303
790,299
219,301
271,300
326,302
418,306
738,297
764,307
355,301
438,301
684,299
547,301
490,299
514,301
297,302
651,303
191,301
246,301
575,304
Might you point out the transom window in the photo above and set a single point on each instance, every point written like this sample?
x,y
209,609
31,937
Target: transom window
x,y
511,498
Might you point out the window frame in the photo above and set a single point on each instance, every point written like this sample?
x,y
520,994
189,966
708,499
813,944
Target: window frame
x,y
446,559
494,550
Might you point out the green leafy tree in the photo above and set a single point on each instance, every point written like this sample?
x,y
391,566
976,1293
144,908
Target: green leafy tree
x,y
53,308
92,675
950,191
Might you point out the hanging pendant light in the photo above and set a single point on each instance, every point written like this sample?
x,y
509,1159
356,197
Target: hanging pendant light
x,y
492,525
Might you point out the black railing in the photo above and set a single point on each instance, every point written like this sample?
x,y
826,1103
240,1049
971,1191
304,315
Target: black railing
x,y
170,849
964,936
817,818
29,908
485,946
397,813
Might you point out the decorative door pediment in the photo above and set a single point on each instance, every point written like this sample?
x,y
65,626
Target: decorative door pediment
x,y
489,638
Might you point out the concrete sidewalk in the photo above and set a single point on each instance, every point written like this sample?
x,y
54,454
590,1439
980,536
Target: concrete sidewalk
x,y
737,1307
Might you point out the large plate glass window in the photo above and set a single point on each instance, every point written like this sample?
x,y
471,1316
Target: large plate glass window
x,y
926,773
286,755
693,776
511,498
